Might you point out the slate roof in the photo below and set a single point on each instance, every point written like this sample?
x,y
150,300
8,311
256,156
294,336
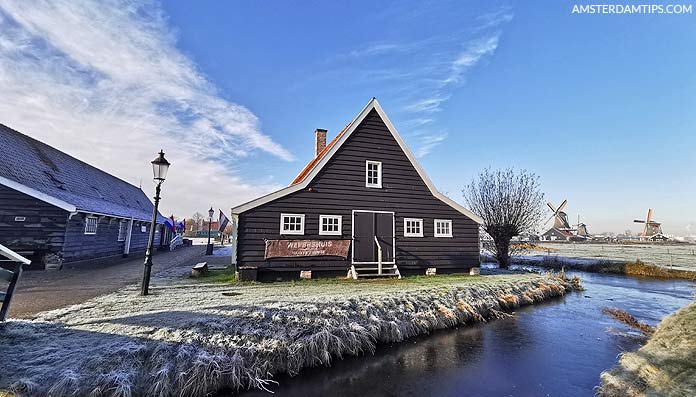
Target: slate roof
x,y
47,170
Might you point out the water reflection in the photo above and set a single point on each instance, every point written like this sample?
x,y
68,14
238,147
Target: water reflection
x,y
557,348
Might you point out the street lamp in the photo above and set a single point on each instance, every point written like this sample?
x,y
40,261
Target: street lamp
x,y
209,247
160,166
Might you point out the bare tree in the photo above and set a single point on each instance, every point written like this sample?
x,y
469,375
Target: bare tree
x,y
197,221
510,203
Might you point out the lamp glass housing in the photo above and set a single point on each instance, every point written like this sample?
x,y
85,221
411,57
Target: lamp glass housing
x,y
160,166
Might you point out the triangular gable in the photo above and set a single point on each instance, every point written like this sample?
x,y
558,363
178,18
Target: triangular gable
x,y
315,166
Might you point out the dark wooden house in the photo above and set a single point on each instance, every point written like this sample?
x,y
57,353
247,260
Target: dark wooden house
x,y
56,208
364,206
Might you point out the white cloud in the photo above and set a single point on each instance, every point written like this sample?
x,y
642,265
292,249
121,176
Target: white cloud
x,y
495,18
427,142
105,82
472,54
422,73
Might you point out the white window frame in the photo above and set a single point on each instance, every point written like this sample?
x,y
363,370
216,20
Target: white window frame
x,y
295,232
122,227
87,223
367,174
445,221
411,234
332,232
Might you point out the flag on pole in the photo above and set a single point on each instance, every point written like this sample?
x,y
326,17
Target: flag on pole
x,y
172,223
223,221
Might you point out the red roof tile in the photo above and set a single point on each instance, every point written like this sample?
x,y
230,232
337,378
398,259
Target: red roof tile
x,y
310,166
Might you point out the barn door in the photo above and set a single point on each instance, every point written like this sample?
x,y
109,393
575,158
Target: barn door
x,y
384,230
366,226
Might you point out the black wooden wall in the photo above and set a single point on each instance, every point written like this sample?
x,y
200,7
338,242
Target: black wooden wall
x,y
340,188
43,229
80,246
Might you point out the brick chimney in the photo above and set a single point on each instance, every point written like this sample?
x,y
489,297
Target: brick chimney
x,y
319,141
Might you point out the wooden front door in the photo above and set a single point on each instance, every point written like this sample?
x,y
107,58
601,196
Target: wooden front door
x,y
366,226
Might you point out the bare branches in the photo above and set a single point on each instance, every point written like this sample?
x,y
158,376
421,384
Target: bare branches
x,y
510,203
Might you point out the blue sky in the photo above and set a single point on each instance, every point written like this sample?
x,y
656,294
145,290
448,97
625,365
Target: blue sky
x,y
601,107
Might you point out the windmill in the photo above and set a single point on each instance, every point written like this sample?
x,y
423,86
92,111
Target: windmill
x,y
581,229
561,229
651,229
561,218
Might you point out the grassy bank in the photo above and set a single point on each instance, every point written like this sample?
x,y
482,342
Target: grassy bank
x,y
665,366
636,268
193,338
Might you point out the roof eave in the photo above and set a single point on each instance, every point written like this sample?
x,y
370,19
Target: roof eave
x,y
37,194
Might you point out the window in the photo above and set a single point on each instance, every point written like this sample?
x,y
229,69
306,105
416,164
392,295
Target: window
x,y
291,223
443,228
373,174
330,225
413,227
91,225
122,230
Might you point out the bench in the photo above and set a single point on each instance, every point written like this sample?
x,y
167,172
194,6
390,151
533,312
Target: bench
x,y
199,269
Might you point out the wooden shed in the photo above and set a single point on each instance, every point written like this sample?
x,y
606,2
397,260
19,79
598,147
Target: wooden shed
x,y
56,208
362,206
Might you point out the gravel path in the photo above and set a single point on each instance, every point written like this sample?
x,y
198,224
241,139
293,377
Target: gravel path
x,y
40,291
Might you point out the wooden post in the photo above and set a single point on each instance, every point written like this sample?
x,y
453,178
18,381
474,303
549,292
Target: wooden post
x,y
233,240
126,246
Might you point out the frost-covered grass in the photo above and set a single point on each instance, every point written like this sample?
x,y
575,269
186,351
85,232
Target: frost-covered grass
x,y
192,338
665,366
637,268
682,256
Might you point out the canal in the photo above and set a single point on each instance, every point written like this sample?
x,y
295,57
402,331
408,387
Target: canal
x,y
557,348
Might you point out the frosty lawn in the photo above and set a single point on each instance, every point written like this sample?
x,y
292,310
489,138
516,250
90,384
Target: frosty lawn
x,y
192,338
665,366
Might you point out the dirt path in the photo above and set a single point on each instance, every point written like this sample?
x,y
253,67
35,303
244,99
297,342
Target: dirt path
x,y
39,291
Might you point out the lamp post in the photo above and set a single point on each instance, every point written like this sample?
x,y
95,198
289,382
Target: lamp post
x,y
160,166
209,247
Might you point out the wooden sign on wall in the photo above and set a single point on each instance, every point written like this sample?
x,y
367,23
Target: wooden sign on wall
x,y
303,248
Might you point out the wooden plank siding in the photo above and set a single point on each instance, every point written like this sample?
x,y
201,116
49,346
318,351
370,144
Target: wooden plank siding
x,y
340,188
80,246
43,229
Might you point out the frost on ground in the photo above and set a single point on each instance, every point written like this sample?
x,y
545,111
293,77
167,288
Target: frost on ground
x,y
195,339
679,256
225,250
665,366
636,268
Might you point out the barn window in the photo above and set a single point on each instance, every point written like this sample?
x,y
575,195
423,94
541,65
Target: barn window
x,y
292,223
413,227
330,225
122,230
91,225
373,174
443,228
